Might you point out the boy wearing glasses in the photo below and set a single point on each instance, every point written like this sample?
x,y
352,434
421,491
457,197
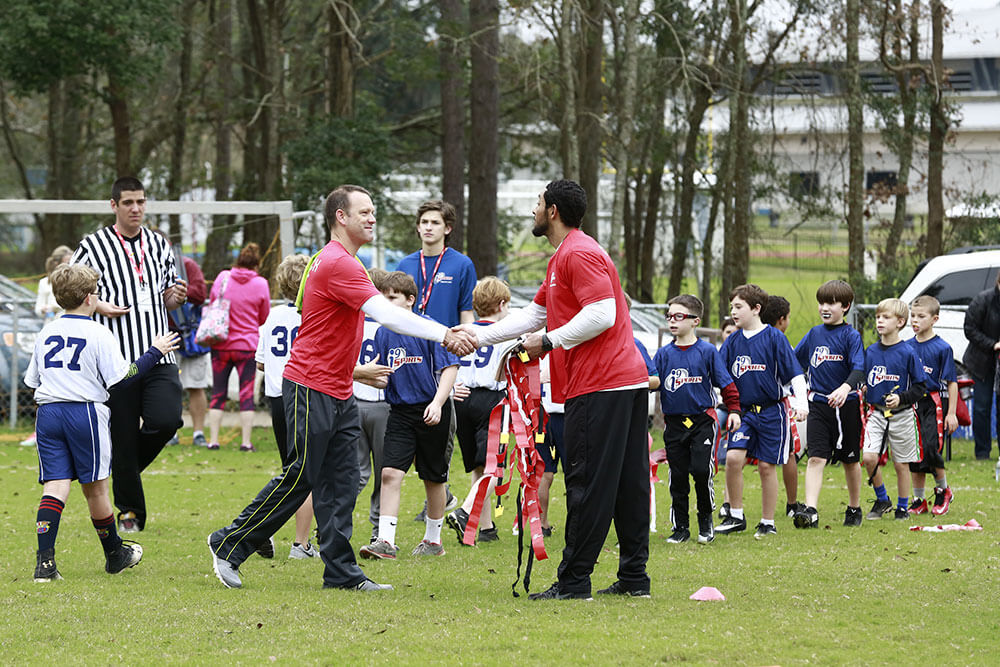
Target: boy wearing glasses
x,y
688,368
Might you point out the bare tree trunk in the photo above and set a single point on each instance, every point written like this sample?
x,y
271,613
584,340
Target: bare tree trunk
x,y
589,127
342,50
484,17
568,145
647,268
452,115
707,258
217,243
626,113
689,164
180,119
856,148
63,133
121,126
936,138
738,230
12,147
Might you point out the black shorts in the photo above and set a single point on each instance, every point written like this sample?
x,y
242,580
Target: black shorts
x,y
834,434
930,443
553,440
472,425
409,441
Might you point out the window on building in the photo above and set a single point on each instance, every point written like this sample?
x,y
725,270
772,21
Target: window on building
x,y
802,184
885,179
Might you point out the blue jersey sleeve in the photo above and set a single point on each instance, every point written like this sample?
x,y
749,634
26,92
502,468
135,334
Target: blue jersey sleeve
x,y
442,357
650,368
856,350
468,284
802,351
784,358
948,373
720,375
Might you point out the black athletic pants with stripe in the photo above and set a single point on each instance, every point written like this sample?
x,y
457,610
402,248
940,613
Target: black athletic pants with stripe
x,y
607,477
323,435
689,452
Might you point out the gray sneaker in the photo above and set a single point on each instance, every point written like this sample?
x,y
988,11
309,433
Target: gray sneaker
x,y
199,440
379,549
302,551
369,586
227,573
426,548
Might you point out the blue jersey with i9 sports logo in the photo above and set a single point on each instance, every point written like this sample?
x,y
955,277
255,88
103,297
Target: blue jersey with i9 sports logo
x,y
416,366
760,364
891,369
938,361
687,375
828,354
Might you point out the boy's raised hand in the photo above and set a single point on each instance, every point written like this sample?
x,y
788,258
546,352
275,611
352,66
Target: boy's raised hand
x,y
167,342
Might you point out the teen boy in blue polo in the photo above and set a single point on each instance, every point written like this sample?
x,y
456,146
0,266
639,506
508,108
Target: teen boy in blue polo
x,y
760,360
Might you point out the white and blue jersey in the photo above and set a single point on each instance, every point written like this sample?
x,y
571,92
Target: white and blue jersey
x,y
478,369
274,345
828,354
75,360
687,375
448,291
416,366
891,369
760,365
938,362
362,391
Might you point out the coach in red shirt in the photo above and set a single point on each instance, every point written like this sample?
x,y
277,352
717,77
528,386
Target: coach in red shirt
x,y
320,409
583,308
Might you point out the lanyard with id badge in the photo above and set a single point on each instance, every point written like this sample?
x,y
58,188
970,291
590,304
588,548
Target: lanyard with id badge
x,y
143,286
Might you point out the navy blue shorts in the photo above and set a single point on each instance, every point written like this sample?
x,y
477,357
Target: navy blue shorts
x,y
553,438
764,435
74,442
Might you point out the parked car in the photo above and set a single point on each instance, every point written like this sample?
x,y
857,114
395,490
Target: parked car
x,y
18,301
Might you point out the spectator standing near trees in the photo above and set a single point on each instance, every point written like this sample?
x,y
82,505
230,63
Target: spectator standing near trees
x,y
982,329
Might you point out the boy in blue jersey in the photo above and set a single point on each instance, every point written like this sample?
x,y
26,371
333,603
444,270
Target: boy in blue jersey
x,y
423,375
688,368
75,364
833,357
895,381
936,409
761,362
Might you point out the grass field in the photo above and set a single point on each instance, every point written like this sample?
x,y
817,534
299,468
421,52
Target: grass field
x,y
875,594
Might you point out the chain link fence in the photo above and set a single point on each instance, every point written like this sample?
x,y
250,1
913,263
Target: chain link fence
x,y
18,327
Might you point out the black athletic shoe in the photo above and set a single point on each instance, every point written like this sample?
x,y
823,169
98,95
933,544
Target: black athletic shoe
x,y
45,567
792,508
852,517
764,530
554,593
457,520
679,535
706,533
879,507
547,532
266,550
618,588
488,535
128,554
731,525
902,514
806,518
724,510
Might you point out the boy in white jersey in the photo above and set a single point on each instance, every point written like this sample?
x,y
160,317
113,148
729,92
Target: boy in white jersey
x,y
74,364
477,391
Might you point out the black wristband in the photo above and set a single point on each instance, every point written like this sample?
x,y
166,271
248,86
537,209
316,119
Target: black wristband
x,y
546,343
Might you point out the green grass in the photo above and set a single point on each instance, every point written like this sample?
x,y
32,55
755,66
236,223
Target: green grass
x,y
834,595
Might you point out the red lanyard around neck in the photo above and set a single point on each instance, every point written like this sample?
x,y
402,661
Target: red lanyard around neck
x,y
428,285
136,263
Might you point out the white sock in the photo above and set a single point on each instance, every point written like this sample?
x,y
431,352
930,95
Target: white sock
x,y
736,513
432,530
767,522
387,528
197,433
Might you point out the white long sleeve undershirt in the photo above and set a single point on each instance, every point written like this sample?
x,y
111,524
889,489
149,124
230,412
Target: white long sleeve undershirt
x,y
592,320
402,321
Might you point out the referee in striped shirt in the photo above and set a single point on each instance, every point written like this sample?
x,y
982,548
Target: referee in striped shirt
x,y
138,285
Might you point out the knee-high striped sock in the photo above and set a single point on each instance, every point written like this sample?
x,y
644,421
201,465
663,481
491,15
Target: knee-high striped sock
x,y
107,533
47,522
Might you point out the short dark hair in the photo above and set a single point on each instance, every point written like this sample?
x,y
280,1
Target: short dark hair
x,y
399,282
835,291
249,257
448,214
569,199
125,183
692,303
775,308
339,200
754,295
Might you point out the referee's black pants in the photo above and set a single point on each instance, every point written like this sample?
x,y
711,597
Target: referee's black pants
x,y
607,477
323,435
155,398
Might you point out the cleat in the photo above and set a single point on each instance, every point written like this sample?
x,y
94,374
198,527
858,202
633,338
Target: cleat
x,y
902,514
266,549
426,548
199,440
679,535
919,505
618,588
378,550
852,517
45,567
731,525
879,507
764,530
706,533
724,510
247,448
451,502
303,551
128,554
942,501
491,534
791,509
807,517
369,586
226,572
212,445
547,532
458,520
127,523
554,593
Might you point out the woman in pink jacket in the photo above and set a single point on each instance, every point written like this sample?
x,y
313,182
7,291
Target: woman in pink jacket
x,y
249,304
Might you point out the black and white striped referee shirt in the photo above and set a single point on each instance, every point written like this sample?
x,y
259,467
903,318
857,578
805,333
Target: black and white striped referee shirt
x,y
120,285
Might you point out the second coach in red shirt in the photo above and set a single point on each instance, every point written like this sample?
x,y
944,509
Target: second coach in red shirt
x,y
583,308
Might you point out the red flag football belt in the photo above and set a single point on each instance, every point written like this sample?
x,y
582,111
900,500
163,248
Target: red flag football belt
x,y
939,416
